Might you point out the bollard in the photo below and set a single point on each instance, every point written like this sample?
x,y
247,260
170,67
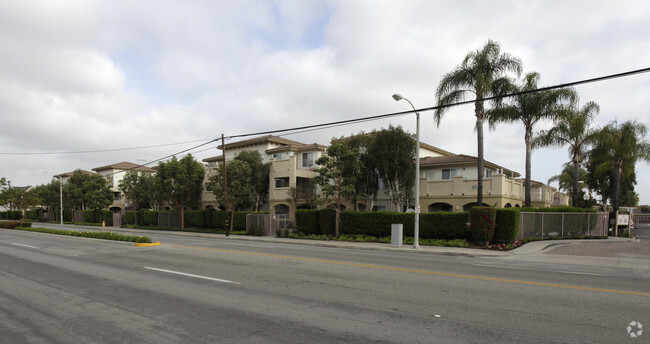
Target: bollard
x,y
103,224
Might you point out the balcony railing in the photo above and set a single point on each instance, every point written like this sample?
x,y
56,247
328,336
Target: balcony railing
x,y
305,164
458,186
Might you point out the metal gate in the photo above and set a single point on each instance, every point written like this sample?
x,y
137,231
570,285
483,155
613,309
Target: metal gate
x,y
169,219
267,224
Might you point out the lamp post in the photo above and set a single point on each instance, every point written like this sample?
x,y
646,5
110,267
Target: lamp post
x,y
416,227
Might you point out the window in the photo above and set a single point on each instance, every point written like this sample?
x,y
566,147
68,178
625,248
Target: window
x,y
488,173
282,182
277,156
381,185
448,173
308,159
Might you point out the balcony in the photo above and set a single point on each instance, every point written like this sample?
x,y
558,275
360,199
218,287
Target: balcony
x,y
497,185
305,164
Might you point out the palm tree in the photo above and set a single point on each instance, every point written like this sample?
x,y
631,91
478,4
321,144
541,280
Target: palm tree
x,y
481,73
530,108
572,129
565,178
619,148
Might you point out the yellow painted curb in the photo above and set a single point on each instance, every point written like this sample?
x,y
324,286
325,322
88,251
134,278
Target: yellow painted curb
x,y
141,244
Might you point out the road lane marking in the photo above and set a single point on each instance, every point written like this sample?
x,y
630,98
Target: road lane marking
x,y
24,245
555,271
191,275
424,272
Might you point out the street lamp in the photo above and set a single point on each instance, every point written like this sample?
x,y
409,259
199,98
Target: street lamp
x,y
416,227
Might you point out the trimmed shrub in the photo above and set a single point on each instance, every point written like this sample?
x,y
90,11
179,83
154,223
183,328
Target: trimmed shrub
x,y
95,235
219,219
14,224
130,217
89,216
208,217
444,225
307,221
481,224
150,218
194,218
327,221
13,215
507,225
34,214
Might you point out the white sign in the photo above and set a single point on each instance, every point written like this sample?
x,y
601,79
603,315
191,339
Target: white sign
x,y
623,220
417,209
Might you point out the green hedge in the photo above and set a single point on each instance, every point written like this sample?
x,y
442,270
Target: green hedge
x,y
11,215
208,215
447,226
34,214
195,218
444,225
14,224
327,221
95,234
482,221
150,218
507,225
307,221
219,219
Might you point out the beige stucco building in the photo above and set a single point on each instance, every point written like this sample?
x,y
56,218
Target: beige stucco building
x,y
114,174
448,181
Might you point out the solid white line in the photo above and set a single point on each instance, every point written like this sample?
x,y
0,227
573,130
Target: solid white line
x,y
562,272
24,245
192,275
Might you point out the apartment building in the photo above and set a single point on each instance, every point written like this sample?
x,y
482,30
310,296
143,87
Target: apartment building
x,y
114,174
292,164
448,181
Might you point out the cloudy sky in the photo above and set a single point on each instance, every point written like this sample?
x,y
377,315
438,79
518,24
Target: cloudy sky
x,y
104,76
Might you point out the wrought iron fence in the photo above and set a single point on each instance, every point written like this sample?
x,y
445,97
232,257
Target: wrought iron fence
x,y
267,224
562,225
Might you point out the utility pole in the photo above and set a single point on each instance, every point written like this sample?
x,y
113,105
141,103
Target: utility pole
x,y
225,183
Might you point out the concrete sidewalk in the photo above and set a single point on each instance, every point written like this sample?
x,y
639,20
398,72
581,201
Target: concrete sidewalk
x,y
536,248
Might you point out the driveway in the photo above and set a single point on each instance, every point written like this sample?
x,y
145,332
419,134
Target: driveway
x,y
639,249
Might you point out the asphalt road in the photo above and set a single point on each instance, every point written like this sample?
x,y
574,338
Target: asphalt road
x,y
71,290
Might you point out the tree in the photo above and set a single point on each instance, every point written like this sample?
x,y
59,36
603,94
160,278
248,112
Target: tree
x,y
24,200
481,73
87,191
97,194
7,194
571,129
259,177
618,148
565,179
565,184
392,151
367,185
180,182
306,195
138,188
530,108
337,174
239,183
49,194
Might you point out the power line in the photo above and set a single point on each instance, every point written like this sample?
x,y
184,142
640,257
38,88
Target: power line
x,y
101,150
432,108
395,114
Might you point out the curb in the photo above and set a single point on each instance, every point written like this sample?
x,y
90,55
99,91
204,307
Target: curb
x,y
142,244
